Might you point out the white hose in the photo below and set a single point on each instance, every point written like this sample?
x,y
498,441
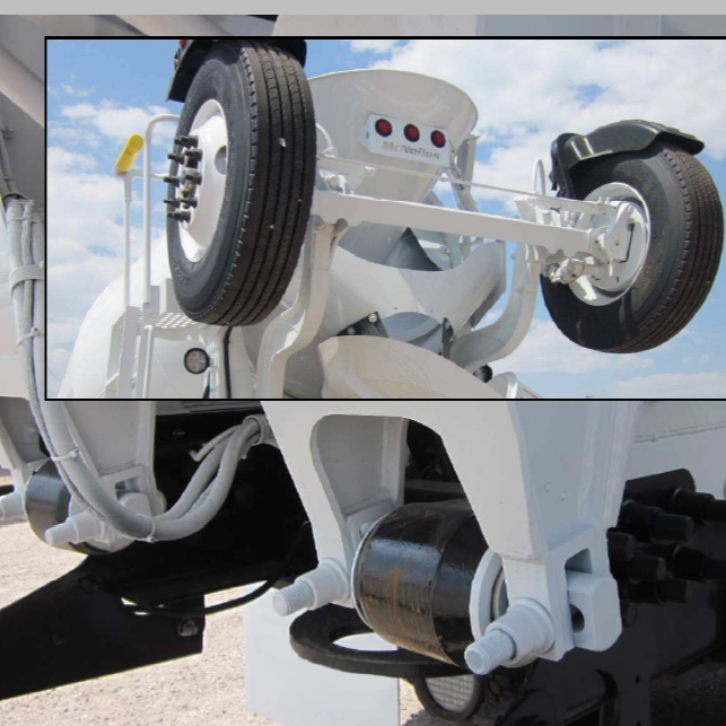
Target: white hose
x,y
199,502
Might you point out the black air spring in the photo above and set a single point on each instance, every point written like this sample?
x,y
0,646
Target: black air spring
x,y
413,574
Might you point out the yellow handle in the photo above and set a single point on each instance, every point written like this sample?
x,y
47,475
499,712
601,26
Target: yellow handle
x,y
127,159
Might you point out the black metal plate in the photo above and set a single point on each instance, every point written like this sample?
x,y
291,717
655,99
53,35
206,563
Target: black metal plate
x,y
69,631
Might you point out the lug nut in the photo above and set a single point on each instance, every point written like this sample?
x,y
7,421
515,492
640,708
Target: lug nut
x,y
190,178
172,203
652,523
675,590
190,202
174,180
187,141
621,546
671,590
180,216
176,157
193,155
670,527
702,507
642,568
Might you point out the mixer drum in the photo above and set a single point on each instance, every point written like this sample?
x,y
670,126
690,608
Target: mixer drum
x,y
413,574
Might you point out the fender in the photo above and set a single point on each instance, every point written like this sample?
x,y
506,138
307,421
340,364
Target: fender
x,y
569,150
189,59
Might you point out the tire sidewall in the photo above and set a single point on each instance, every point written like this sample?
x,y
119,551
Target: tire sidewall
x,y
220,78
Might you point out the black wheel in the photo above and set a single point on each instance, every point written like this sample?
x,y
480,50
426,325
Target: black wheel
x,y
459,698
642,303
245,168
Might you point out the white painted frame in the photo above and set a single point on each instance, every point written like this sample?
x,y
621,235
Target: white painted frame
x,y
556,491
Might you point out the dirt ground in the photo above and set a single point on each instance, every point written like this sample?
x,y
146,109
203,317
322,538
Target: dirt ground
x,y
210,688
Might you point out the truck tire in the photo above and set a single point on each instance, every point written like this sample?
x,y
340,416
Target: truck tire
x,y
679,263
259,181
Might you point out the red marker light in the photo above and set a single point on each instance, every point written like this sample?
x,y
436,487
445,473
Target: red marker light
x,y
438,139
412,133
384,128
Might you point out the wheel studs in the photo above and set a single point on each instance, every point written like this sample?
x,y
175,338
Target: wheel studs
x,y
193,155
621,546
173,180
187,141
652,523
643,568
180,216
176,157
176,203
190,178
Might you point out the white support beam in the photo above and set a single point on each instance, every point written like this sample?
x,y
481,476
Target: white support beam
x,y
332,207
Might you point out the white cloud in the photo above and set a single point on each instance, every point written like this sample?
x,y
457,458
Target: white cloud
x,y
697,361
85,246
73,91
74,136
672,385
530,91
546,350
119,122
60,160
85,234
377,46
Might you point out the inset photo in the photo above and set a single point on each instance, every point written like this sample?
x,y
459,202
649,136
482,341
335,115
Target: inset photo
x,y
289,218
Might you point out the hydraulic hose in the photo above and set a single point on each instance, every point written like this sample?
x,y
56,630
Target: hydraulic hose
x,y
200,501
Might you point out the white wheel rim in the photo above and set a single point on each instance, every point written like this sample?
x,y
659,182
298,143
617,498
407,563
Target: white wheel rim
x,y
612,282
210,127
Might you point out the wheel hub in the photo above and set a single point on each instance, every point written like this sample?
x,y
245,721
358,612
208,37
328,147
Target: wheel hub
x,y
202,181
607,283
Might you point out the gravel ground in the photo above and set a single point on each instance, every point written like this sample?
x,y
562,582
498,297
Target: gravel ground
x,y
210,688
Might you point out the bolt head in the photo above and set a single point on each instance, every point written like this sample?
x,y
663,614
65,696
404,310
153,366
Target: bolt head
x,y
372,318
188,628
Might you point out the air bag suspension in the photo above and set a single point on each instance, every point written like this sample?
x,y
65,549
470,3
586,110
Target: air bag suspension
x,y
413,574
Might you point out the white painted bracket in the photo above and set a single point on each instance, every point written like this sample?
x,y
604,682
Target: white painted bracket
x,y
545,483
296,327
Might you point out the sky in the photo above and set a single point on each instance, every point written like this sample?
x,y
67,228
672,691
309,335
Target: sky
x,y
527,92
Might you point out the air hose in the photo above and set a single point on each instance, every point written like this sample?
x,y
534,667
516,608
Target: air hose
x,y
201,500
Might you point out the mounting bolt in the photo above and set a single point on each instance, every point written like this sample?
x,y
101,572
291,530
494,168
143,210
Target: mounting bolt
x,y
524,630
372,318
188,628
328,582
176,157
193,155
190,203
490,652
191,175
172,180
180,216
296,597
187,141
172,203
